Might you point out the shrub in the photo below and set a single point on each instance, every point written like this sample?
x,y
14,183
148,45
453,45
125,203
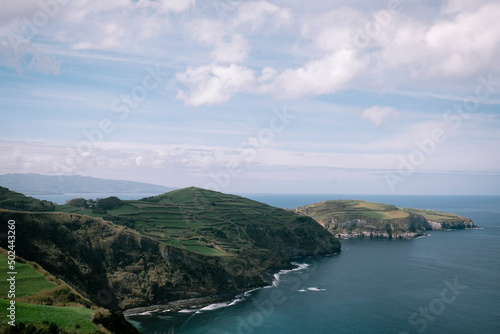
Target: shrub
x,y
78,202
99,211
109,203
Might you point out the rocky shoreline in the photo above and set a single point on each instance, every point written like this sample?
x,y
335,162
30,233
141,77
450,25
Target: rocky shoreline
x,y
407,235
178,305
370,235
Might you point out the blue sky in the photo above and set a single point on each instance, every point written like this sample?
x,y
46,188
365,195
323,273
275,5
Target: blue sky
x,y
375,97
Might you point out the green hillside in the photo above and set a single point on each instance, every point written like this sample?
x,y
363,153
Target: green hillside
x,y
35,297
16,201
439,217
28,280
185,244
355,218
210,223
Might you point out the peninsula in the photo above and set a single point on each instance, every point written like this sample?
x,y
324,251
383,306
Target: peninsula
x,y
360,219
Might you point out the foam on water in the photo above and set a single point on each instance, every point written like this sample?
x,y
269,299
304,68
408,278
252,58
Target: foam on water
x,y
277,276
186,310
213,307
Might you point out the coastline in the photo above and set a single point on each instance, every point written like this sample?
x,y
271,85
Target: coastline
x,y
221,300
179,305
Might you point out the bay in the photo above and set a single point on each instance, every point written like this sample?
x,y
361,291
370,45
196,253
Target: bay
x,y
448,282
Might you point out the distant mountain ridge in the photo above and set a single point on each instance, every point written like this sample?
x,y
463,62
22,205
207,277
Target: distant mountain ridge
x,y
37,184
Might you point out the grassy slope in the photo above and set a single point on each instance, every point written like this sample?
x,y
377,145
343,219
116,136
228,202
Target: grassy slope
x,y
16,201
328,210
437,216
197,220
186,243
336,215
29,282
65,317
189,242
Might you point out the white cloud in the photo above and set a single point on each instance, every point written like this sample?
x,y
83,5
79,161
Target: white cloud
x,y
226,36
378,115
457,6
118,24
214,84
259,13
330,74
461,42
459,46
467,44
80,10
174,5
227,47
333,30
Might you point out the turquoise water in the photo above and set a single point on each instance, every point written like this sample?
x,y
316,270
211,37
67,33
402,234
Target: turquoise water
x,y
446,283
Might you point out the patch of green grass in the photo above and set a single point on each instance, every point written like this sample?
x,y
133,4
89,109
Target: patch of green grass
x,y
194,245
64,317
124,209
336,209
201,249
67,208
173,242
436,216
170,224
28,280
162,209
385,215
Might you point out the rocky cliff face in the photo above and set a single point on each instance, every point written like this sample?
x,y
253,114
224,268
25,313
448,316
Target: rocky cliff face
x,y
119,268
360,219
116,268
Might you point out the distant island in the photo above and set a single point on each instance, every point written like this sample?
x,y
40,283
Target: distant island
x,y
360,219
37,184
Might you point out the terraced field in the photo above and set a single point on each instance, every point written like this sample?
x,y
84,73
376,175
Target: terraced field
x,y
194,219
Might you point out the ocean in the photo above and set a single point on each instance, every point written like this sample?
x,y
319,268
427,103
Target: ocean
x,y
448,282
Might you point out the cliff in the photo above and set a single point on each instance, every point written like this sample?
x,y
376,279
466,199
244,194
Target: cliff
x,y
360,219
184,244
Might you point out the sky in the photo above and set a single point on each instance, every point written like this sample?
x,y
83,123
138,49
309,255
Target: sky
x,y
338,97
